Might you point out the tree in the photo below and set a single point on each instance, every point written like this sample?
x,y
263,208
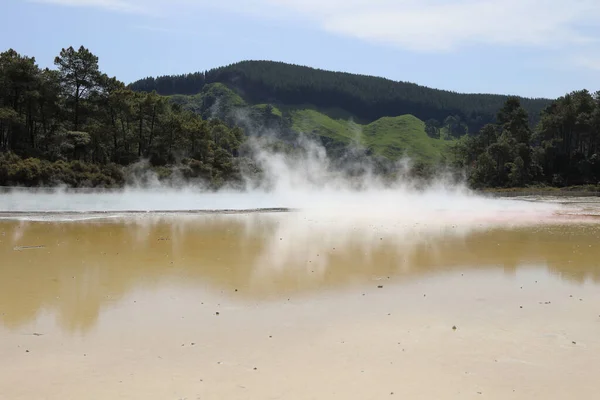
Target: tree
x,y
71,124
455,126
80,76
485,172
432,128
513,119
488,135
366,97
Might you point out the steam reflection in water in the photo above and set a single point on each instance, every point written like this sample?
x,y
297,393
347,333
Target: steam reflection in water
x,y
87,266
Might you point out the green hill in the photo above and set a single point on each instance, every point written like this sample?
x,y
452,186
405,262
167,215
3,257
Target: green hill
x,y
391,137
367,98
336,129
385,116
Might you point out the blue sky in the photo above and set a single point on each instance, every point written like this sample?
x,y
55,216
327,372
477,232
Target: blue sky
x,y
534,48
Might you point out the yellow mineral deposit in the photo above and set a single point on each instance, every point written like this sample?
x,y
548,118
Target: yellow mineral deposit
x,y
325,303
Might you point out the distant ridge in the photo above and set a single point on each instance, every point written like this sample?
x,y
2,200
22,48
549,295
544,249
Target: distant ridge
x,y
366,97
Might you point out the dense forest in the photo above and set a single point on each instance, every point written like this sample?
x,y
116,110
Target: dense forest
x,y
74,125
563,149
366,97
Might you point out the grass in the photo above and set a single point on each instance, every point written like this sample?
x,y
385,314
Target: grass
x,y
392,137
311,121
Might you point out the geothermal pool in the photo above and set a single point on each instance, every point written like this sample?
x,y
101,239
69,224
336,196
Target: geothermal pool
x,y
421,296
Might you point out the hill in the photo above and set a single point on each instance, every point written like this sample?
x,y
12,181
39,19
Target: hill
x,y
367,98
391,137
335,128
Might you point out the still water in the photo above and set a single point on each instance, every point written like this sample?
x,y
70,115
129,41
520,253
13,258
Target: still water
x,y
294,305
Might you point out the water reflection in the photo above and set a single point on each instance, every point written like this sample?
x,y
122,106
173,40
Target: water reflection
x,y
83,267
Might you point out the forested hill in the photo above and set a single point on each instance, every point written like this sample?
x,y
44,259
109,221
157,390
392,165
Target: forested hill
x,y
366,97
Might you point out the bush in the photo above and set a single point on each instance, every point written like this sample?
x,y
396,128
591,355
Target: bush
x,y
15,171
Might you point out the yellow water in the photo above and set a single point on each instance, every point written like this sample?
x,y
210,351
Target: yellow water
x,y
126,308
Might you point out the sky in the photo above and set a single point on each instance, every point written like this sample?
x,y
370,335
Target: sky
x,y
532,48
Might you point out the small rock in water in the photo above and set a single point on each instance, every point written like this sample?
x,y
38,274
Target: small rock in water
x,y
380,287
574,342
26,351
217,313
454,328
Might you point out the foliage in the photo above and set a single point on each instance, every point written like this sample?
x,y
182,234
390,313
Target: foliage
x,y
562,150
79,127
366,97
15,171
335,129
54,121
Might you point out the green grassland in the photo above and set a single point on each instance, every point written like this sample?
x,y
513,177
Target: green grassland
x,y
390,137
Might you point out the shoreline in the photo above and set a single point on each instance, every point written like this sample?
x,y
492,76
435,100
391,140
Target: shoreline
x,y
571,191
550,192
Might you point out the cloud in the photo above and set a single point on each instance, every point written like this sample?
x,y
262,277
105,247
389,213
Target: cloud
x,y
111,5
430,25
417,25
591,62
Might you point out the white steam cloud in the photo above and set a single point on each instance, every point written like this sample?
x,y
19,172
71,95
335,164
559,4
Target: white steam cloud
x,y
307,182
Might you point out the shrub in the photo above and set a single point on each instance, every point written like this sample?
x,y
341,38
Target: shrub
x,y
15,171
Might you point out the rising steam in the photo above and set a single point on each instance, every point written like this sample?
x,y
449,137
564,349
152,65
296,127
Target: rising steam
x,y
305,180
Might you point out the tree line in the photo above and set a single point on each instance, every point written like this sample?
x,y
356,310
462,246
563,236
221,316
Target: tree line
x,y
368,98
78,126
563,149
75,125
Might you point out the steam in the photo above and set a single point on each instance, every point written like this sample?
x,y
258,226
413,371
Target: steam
x,y
304,179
